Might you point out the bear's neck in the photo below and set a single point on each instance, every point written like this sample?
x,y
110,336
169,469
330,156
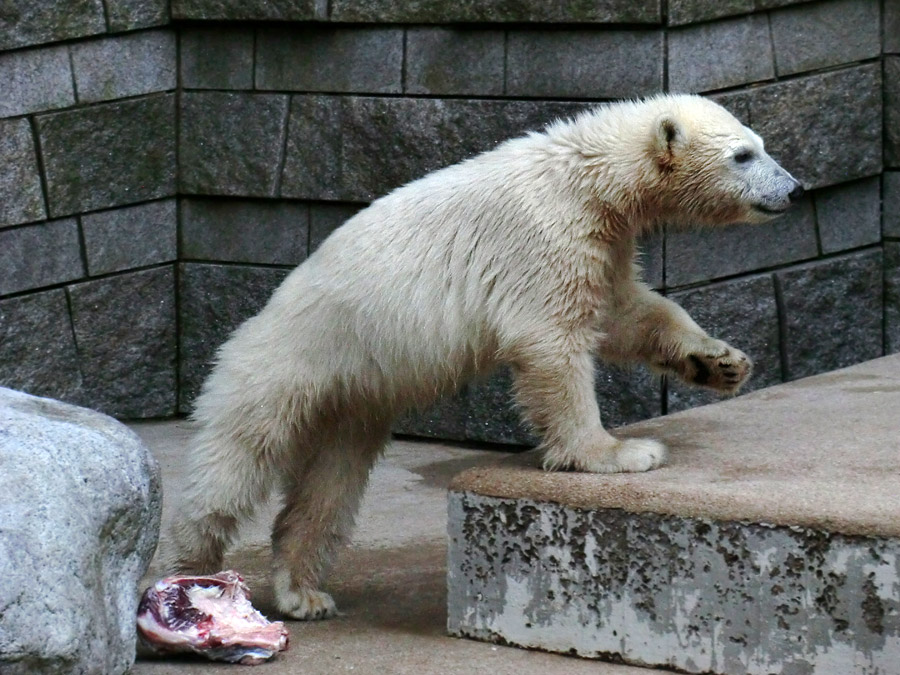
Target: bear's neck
x,y
607,162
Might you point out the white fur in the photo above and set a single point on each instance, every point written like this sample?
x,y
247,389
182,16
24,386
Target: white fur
x,y
523,255
301,603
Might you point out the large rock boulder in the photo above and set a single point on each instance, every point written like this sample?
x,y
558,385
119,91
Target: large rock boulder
x,y
80,503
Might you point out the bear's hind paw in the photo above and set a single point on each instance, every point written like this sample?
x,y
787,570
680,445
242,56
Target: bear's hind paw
x,y
305,604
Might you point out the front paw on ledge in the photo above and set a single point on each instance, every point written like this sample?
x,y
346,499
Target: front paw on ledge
x,y
630,455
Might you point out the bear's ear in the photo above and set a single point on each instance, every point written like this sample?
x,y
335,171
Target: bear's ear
x,y
668,137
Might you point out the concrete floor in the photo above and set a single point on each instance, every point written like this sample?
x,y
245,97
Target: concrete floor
x,y
389,584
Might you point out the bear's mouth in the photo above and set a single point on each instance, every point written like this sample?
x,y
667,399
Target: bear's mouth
x,y
769,211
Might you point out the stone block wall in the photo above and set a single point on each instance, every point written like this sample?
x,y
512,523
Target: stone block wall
x,y
890,180
88,208
288,116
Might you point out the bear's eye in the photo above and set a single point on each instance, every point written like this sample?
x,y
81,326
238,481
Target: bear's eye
x,y
743,156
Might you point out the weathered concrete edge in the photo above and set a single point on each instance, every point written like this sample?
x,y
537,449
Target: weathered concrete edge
x,y
488,482
690,594
506,482
521,476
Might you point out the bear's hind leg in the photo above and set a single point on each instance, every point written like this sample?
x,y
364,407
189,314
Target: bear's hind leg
x,y
227,480
320,507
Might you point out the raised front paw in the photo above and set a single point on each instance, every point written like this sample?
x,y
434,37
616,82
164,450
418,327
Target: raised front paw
x,y
716,365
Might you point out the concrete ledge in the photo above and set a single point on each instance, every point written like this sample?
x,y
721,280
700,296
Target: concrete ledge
x,y
768,544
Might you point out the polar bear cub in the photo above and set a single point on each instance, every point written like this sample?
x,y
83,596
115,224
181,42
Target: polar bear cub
x,y
523,255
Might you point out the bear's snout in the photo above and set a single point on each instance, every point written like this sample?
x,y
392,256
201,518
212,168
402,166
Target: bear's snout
x,y
781,190
789,193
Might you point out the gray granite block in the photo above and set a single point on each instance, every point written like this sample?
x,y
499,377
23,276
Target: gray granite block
x,y
246,10
454,61
213,301
269,232
81,498
446,419
21,195
357,148
892,111
735,102
691,11
493,415
772,4
325,58
485,410
824,128
25,22
710,253
891,297
125,65
39,255
132,14
109,155
125,331
37,346
231,143
626,394
849,215
35,80
891,203
584,64
134,236
720,54
313,154
495,11
413,127
217,58
832,313
823,34
326,218
388,142
891,27
744,313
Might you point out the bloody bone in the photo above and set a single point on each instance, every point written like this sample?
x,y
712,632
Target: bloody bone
x,y
209,615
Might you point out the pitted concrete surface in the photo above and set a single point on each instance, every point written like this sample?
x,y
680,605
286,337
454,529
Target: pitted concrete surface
x,y
768,544
822,452
390,585
695,595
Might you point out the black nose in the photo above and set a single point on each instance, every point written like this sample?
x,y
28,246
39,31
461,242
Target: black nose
x,y
797,192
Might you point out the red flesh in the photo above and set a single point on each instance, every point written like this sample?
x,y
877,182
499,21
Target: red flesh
x,y
209,615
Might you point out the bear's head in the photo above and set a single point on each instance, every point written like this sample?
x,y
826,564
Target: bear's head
x,y
711,169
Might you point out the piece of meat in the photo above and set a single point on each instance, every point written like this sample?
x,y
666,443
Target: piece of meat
x,y
209,615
